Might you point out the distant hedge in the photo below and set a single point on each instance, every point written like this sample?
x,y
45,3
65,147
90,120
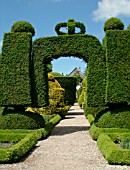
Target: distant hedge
x,y
14,69
118,67
69,84
86,47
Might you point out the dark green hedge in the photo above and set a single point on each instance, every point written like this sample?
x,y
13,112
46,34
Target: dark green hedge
x,y
86,47
118,66
11,119
69,84
14,69
116,118
112,152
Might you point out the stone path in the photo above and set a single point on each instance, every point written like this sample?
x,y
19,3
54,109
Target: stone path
x,y
69,147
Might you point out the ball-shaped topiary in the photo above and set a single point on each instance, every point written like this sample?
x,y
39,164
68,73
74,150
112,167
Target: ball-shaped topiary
x,y
113,24
22,26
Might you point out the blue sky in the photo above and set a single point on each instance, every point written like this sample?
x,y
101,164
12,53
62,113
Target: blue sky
x,y
45,14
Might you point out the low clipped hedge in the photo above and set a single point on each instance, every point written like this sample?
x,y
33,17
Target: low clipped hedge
x,y
96,131
15,152
26,140
10,119
114,118
111,151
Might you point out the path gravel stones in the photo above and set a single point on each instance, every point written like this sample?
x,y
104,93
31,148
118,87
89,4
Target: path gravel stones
x,y
69,147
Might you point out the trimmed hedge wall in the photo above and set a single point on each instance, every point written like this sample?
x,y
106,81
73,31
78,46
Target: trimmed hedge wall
x,y
118,67
14,69
86,47
112,152
69,84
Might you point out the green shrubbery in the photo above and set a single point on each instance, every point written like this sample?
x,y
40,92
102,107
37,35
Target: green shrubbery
x,y
115,118
14,73
112,152
69,84
19,149
23,26
10,119
113,24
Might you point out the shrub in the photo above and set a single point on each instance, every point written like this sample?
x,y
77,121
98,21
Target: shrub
x,y
15,152
111,151
113,24
125,143
56,74
85,47
69,84
116,118
14,69
23,26
11,119
118,70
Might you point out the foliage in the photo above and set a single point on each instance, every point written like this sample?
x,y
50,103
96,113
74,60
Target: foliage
x,y
56,74
86,47
71,25
111,151
15,152
23,26
125,143
118,67
14,73
113,24
79,79
69,84
96,131
115,118
11,119
49,68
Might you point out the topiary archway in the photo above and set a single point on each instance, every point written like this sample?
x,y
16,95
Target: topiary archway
x,y
85,47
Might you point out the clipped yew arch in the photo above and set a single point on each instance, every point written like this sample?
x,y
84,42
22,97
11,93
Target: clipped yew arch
x,y
86,47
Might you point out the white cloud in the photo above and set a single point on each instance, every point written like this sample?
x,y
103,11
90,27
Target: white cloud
x,y
111,8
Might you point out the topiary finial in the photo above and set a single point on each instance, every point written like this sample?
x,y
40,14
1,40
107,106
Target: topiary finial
x,y
113,24
71,25
22,26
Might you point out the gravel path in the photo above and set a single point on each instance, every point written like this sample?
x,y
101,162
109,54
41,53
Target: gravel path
x,y
69,147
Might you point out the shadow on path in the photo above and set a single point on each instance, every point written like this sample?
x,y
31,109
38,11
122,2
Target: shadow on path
x,y
63,130
75,113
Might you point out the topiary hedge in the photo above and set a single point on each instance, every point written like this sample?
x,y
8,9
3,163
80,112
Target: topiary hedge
x,y
10,119
86,47
14,69
113,24
115,118
118,67
23,26
69,84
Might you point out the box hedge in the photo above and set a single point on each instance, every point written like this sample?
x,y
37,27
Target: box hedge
x,y
14,69
118,67
112,152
